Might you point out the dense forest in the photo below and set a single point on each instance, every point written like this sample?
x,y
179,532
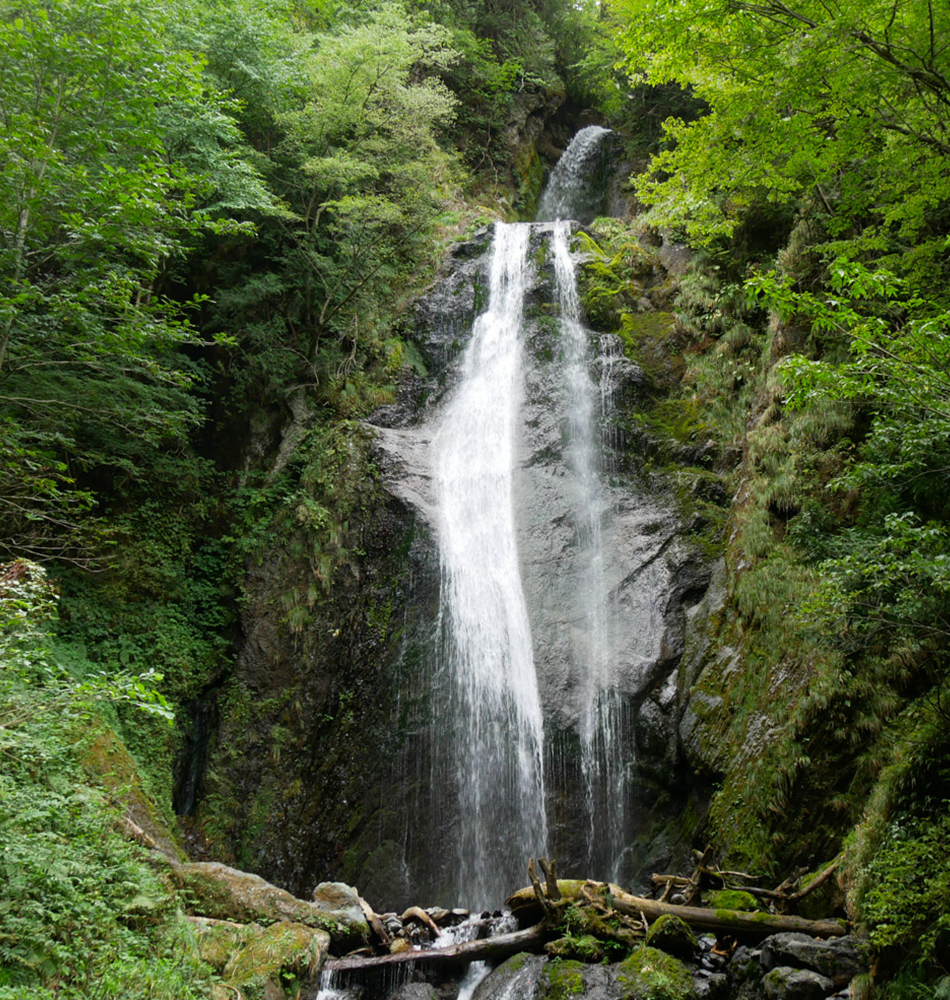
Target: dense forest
x,y
215,218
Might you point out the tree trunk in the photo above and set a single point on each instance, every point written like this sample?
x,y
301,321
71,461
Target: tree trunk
x,y
492,949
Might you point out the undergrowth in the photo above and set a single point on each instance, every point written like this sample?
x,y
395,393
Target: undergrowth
x,y
84,912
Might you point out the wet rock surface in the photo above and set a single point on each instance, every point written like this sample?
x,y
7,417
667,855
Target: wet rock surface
x,y
778,970
838,959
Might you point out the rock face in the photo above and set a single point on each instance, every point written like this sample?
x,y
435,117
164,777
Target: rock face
x,y
649,575
329,760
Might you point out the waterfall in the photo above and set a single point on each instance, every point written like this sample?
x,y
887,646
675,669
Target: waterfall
x,y
601,722
572,193
575,187
487,651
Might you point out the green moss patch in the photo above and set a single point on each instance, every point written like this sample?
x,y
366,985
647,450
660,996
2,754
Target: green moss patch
x,y
562,980
650,974
673,935
733,899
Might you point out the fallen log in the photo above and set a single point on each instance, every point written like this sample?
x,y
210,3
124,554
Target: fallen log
x,y
524,905
490,949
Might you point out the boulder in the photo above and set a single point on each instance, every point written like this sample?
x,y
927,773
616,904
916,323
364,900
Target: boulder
x,y
261,960
341,902
838,959
673,935
785,983
416,991
215,890
518,976
561,979
713,986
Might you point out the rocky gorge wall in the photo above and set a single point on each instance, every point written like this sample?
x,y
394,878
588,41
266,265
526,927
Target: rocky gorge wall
x,y
327,762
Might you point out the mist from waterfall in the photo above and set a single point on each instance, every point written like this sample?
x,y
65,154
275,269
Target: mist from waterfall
x,y
486,642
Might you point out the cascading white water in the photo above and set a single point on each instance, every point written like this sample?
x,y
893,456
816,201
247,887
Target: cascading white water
x,y
487,650
572,190
601,722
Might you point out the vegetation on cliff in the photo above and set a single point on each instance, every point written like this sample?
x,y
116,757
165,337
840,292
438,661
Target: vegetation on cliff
x,y
212,217
810,353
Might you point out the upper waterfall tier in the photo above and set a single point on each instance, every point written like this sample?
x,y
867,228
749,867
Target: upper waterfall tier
x,y
576,188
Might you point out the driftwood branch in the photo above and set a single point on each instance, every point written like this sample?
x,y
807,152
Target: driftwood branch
x,y
372,918
487,949
781,895
749,925
550,879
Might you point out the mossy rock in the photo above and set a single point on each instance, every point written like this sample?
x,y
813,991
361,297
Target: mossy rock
x,y
562,980
528,171
215,890
651,974
218,941
283,949
674,936
822,902
733,899
583,948
260,960
109,764
513,977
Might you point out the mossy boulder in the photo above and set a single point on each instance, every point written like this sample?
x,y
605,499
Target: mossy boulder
x,y
108,763
838,959
215,890
733,899
260,961
651,974
785,983
562,980
674,936
516,977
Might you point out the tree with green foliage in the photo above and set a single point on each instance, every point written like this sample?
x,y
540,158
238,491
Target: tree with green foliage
x,y
116,156
846,103
363,176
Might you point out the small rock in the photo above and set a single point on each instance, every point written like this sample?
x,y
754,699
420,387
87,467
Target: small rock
x,y
784,983
714,987
399,945
416,991
745,964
